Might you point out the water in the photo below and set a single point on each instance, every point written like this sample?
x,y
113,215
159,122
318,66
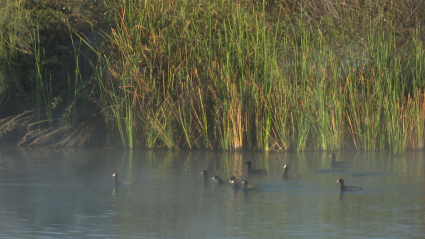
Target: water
x,y
70,193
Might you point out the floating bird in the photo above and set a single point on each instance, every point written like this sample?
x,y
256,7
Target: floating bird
x,y
255,171
287,175
123,182
335,164
220,181
237,186
347,188
247,188
206,179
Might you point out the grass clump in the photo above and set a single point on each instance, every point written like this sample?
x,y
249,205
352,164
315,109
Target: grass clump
x,y
266,75
36,63
231,75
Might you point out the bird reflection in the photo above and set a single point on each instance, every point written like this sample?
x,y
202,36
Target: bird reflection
x,y
341,196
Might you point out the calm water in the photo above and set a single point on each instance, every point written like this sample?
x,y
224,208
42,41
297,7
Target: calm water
x,y
70,193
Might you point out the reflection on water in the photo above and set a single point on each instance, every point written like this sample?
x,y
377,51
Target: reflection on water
x,y
70,193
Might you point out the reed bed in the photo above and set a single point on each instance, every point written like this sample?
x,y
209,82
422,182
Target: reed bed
x,y
233,75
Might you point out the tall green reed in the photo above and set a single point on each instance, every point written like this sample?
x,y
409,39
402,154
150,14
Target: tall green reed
x,y
418,93
220,75
43,87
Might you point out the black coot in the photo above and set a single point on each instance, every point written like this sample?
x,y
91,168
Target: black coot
x,y
347,188
234,181
247,188
220,181
335,164
206,179
288,175
255,171
123,182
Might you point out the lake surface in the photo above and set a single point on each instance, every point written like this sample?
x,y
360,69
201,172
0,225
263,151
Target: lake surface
x,y
70,193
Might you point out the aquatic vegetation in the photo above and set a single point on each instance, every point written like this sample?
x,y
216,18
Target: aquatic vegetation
x,y
231,75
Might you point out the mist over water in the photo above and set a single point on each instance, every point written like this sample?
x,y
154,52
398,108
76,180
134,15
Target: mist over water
x,y
70,193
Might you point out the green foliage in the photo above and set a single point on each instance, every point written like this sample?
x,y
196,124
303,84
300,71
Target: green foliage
x,y
230,75
36,62
260,78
